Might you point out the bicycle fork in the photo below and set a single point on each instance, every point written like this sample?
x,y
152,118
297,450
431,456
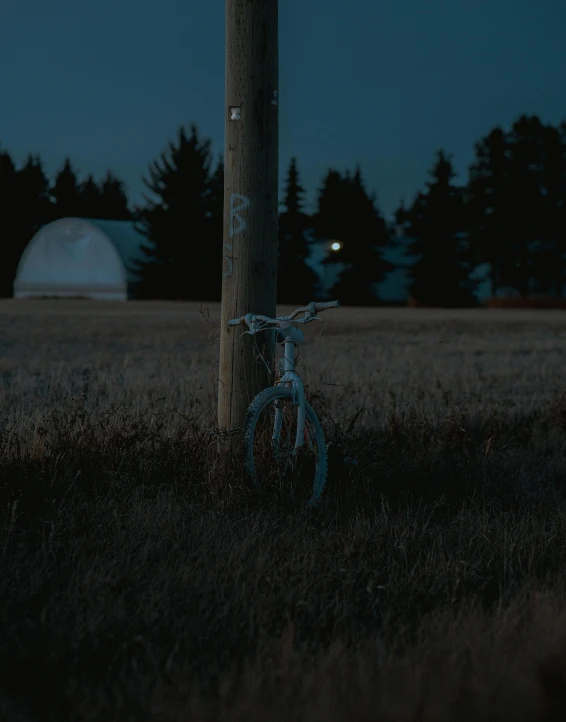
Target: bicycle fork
x,y
291,379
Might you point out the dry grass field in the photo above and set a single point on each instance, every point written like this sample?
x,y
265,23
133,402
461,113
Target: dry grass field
x,y
142,580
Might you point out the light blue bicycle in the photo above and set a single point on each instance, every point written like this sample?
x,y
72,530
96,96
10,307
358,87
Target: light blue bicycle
x,y
283,439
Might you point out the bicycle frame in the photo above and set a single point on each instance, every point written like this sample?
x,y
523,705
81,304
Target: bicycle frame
x,y
291,378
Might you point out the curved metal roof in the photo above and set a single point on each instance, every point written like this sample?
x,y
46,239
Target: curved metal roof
x,y
127,240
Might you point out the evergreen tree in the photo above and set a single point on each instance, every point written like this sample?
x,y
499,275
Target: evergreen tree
x,y
66,193
113,199
25,207
435,221
548,263
516,193
489,206
212,288
89,199
296,281
183,223
9,224
331,218
347,213
33,188
558,222
526,176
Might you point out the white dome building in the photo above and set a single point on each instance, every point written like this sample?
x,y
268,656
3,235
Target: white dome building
x,y
80,257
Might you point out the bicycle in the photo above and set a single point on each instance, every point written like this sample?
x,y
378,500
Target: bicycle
x,y
306,455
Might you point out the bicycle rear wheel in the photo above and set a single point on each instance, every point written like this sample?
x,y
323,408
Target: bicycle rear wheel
x,y
271,461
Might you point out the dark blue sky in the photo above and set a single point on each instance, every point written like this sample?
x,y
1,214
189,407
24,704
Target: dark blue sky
x,y
381,82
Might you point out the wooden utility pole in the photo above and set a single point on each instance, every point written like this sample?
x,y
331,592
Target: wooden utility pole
x,y
251,171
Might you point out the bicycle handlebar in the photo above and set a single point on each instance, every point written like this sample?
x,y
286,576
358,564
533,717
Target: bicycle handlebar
x,y
310,310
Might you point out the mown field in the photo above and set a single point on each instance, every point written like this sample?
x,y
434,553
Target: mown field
x,y
142,580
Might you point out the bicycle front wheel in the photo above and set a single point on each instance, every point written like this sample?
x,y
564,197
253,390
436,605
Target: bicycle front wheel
x,y
271,460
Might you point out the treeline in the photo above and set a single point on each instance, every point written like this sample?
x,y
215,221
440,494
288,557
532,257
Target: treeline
x,y
29,200
510,214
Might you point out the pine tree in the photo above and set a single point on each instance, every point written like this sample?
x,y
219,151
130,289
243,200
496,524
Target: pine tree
x,y
33,187
331,219
516,192
113,199
439,276
489,206
10,222
558,223
347,213
89,199
548,263
211,280
296,281
183,223
526,171
25,207
66,193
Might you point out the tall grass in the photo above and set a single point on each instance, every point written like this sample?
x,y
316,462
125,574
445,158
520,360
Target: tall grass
x,y
142,579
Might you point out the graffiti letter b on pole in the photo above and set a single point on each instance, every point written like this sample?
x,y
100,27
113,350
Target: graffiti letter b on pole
x,y
237,204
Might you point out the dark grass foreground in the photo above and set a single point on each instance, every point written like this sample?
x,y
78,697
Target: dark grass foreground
x,y
141,580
